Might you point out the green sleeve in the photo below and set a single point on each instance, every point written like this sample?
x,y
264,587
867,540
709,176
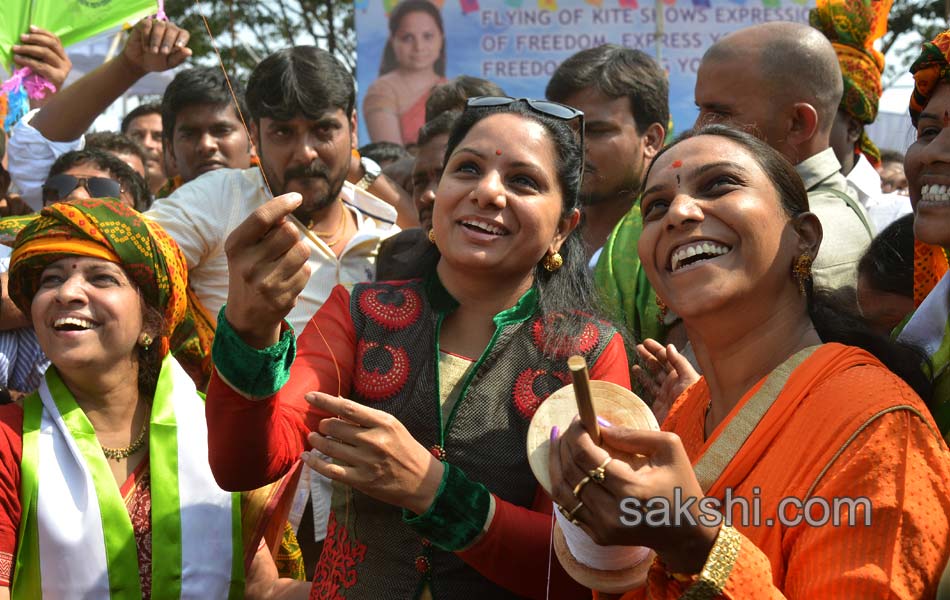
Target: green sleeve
x,y
623,284
457,515
254,373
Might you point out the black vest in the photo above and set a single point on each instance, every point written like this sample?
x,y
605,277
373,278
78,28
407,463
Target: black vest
x,y
369,551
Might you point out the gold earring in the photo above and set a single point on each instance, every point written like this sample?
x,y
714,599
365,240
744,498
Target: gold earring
x,y
432,235
663,308
553,262
145,341
802,271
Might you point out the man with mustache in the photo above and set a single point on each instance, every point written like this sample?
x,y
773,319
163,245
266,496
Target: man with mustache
x,y
302,118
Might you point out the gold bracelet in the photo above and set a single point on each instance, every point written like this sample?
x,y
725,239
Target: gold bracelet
x,y
718,566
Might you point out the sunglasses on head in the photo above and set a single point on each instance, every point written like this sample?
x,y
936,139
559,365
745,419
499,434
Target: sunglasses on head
x,y
59,187
544,107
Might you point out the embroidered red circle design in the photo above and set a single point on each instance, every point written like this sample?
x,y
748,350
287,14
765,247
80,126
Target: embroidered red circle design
x,y
391,308
526,399
564,346
386,373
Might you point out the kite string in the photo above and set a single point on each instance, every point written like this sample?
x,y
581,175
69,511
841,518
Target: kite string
x,y
247,131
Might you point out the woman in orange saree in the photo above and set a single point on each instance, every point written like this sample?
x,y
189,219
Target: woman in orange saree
x,y
799,413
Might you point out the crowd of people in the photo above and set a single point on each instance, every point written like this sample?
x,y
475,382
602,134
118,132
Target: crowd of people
x,y
260,360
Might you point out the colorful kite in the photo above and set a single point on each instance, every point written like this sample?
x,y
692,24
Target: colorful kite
x,y
72,21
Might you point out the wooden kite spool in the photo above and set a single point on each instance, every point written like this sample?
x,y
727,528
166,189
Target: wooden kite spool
x,y
618,406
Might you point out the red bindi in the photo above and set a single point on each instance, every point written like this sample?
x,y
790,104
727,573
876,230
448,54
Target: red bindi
x,y
677,164
946,118
497,152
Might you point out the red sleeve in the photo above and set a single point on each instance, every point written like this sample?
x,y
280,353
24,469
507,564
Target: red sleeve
x,y
11,449
254,442
516,552
612,363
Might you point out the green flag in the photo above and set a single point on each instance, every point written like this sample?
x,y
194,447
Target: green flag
x,y
71,20
14,20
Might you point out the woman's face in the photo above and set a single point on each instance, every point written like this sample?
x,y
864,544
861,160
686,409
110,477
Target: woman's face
x,y
714,232
499,203
927,165
417,42
87,314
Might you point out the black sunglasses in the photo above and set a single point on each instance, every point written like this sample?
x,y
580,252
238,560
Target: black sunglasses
x,y
58,187
544,107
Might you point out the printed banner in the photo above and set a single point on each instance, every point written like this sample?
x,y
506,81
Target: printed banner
x,y
519,43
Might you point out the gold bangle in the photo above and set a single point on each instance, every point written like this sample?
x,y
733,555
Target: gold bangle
x,y
718,566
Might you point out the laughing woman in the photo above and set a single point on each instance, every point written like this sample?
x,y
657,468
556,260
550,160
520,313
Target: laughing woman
x,y
79,516
927,164
797,403
433,494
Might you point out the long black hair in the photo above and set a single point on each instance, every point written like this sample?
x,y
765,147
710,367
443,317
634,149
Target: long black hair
x,y
566,296
834,320
888,263
389,62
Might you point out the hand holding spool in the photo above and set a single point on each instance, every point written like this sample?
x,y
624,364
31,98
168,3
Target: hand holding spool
x,y
569,478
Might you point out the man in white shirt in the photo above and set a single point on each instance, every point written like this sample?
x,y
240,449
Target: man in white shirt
x,y
304,128
864,183
302,119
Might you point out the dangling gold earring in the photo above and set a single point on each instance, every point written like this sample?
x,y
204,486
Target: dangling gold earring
x,y
802,272
553,262
663,309
432,235
145,341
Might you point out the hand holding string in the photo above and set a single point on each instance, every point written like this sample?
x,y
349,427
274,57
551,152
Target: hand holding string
x,y
267,270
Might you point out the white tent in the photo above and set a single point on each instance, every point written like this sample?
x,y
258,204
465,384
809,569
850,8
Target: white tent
x,y
892,129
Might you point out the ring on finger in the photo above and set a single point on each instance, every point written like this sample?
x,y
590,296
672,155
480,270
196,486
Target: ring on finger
x,y
580,486
599,474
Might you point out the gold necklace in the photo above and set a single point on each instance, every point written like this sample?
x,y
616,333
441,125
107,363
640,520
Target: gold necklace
x,y
335,232
118,454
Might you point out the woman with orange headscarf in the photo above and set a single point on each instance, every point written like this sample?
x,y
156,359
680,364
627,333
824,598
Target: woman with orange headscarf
x,y
79,517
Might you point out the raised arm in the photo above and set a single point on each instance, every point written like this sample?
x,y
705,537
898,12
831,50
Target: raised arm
x,y
152,46
267,269
43,53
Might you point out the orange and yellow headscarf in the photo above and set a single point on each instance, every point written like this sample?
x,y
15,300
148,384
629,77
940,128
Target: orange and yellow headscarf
x,y
111,230
930,68
853,26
